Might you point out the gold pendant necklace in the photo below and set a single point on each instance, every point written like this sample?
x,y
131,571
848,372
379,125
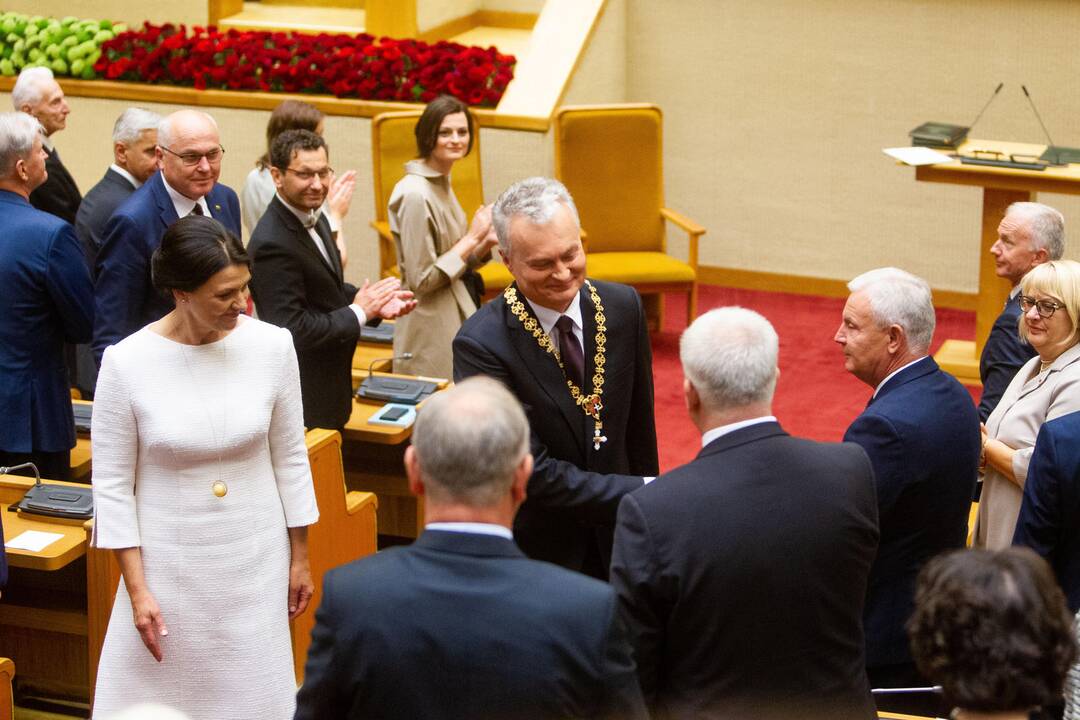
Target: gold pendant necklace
x,y
590,404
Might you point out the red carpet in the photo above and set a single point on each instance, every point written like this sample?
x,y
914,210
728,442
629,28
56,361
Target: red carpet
x,y
815,397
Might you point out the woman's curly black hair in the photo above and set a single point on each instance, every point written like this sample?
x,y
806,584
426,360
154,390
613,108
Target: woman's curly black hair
x,y
992,629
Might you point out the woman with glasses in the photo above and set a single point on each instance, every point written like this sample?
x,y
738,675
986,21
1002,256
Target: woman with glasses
x,y
1046,387
437,250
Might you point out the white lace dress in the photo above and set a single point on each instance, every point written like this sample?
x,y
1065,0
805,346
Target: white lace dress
x,y
170,420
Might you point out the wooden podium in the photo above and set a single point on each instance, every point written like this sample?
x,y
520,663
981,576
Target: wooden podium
x,y
1001,187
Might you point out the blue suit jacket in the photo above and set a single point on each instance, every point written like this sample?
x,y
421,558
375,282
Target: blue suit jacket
x,y
1051,507
1003,355
461,625
922,435
47,300
124,296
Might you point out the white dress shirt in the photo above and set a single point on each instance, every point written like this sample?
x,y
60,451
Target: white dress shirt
x,y
475,528
716,432
183,204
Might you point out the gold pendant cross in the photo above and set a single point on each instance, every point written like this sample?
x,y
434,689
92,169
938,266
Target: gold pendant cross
x,y
598,438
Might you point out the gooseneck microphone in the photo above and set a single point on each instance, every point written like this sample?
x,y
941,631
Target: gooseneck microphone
x,y
371,365
32,466
992,96
1037,115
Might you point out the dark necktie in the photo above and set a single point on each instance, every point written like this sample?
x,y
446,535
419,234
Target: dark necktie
x,y
570,351
197,210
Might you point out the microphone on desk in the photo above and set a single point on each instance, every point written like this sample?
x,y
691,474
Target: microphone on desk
x,y
979,116
61,502
408,391
1053,154
371,365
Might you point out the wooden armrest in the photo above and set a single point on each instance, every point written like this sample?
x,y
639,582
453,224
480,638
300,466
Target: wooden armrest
x,y
688,225
356,500
692,229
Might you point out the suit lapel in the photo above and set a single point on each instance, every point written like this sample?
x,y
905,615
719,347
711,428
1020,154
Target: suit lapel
x,y
297,229
545,370
322,227
166,209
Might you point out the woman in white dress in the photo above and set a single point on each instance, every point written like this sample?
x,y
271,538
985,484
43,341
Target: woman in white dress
x,y
203,489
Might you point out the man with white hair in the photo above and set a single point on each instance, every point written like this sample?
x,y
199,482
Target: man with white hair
x,y
921,432
134,141
460,624
576,354
742,574
37,93
189,155
1030,234
46,296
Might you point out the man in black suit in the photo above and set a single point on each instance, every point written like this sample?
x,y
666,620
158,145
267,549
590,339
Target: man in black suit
x,y
576,354
921,432
1029,234
189,156
37,93
134,161
461,624
297,283
742,575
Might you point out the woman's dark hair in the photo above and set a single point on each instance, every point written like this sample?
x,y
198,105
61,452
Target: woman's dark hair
x,y
291,142
427,127
193,249
992,629
289,115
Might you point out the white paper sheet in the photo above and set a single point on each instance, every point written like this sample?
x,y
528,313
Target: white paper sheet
x,y
918,155
33,540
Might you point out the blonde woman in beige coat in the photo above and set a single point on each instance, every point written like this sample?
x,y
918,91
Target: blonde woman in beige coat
x,y
1046,387
436,249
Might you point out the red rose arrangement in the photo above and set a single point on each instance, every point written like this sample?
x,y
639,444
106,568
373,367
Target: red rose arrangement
x,y
347,66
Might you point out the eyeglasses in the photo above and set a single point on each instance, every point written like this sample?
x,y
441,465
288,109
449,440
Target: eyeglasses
x,y
192,158
1046,308
308,175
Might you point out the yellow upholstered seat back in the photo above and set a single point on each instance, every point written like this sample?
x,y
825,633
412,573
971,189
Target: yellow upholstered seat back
x,y
611,160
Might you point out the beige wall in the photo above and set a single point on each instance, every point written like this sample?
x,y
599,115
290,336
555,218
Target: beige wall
x,y
129,11
776,112
432,13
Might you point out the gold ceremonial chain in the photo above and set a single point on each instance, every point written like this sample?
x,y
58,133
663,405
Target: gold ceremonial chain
x,y
589,404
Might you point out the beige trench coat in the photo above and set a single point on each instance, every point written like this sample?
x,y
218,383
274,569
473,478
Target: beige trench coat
x,y
1031,399
426,220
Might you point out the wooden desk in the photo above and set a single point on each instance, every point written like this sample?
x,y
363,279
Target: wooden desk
x,y
80,454
1001,187
374,462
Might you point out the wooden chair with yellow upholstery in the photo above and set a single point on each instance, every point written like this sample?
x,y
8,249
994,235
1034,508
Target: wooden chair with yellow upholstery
x,y
7,698
610,157
392,145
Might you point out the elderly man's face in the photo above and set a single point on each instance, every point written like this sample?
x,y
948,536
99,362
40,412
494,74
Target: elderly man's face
x,y
140,156
547,261
864,342
1013,251
184,163
52,109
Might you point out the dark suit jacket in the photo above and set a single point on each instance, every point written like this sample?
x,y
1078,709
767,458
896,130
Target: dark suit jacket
x,y
1051,507
124,295
295,288
742,577
47,300
1002,356
464,626
573,494
922,435
96,209
58,195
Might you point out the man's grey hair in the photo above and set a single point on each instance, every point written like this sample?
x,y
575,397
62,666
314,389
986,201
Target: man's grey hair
x,y
132,123
537,198
899,298
29,85
165,129
1046,226
17,133
729,355
468,441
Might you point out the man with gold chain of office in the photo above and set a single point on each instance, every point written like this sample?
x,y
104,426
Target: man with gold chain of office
x,y
576,354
